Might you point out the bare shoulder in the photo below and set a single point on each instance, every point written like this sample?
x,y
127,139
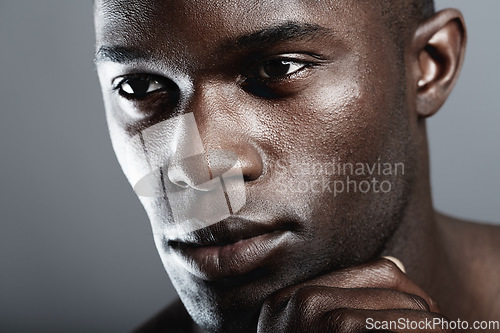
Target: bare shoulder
x,y
479,240
474,247
172,319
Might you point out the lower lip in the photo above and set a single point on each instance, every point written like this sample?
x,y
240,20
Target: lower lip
x,y
218,262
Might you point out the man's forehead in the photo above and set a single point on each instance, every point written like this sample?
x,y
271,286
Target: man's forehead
x,y
194,7
220,16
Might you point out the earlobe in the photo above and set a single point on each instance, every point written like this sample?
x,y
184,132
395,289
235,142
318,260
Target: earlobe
x,y
438,47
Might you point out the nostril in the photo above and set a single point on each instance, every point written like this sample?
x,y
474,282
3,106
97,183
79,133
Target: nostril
x,y
189,171
251,165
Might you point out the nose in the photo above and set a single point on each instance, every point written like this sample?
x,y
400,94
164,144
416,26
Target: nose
x,y
227,149
199,171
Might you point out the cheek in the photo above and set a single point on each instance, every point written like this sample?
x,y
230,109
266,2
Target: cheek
x,y
117,135
340,122
348,121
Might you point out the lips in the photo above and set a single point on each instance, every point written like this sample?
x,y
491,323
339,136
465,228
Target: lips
x,y
230,248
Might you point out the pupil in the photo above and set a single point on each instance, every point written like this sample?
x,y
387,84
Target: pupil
x,y
276,68
139,86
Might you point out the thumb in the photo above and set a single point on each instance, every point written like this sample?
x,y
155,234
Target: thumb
x,y
397,262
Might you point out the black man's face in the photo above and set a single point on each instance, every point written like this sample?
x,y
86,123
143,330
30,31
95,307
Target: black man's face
x,y
291,96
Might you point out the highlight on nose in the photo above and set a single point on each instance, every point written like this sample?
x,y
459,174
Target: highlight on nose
x,y
168,160
197,171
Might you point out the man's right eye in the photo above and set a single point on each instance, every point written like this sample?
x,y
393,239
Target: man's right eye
x,y
139,87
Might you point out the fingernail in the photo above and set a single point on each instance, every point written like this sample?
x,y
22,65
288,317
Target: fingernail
x,y
397,262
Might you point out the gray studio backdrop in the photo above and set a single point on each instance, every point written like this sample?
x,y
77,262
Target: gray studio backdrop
x,y
76,251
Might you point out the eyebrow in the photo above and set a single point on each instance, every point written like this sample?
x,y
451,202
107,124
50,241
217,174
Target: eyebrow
x,y
290,30
266,37
120,54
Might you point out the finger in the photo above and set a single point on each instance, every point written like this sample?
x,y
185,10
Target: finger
x,y
381,274
311,302
355,320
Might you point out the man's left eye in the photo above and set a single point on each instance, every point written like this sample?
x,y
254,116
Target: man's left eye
x,y
278,68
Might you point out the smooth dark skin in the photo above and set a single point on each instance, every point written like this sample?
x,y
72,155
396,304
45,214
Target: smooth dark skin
x,y
355,101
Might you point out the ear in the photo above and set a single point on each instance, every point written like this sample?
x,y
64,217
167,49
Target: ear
x,y
438,49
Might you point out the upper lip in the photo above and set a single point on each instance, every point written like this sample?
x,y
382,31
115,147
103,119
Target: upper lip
x,y
229,231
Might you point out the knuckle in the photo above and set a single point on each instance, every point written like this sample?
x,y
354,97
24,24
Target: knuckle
x,y
343,320
304,301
